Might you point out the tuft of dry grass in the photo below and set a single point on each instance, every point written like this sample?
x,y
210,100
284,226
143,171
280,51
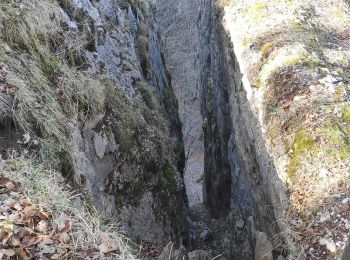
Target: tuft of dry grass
x,y
48,190
49,93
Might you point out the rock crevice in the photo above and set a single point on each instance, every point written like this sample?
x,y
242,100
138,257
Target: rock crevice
x,y
240,179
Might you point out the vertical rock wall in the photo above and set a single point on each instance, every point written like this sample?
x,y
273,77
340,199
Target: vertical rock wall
x,y
142,181
240,178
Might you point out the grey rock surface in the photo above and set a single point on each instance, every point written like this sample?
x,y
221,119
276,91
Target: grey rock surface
x,y
263,247
198,255
170,252
206,235
346,253
142,184
239,174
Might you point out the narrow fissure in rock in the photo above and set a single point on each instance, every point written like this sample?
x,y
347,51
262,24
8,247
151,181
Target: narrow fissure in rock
x,y
179,29
227,182
211,129
274,160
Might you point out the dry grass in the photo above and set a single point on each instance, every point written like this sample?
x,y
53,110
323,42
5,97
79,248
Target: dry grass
x,y
48,189
51,86
49,94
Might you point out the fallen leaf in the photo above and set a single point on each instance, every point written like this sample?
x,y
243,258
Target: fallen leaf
x,y
14,241
344,207
56,256
6,225
4,208
17,206
64,226
23,253
31,240
10,185
4,237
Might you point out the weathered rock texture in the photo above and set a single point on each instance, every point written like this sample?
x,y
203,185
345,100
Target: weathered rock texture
x,y
170,252
240,179
178,28
267,85
88,81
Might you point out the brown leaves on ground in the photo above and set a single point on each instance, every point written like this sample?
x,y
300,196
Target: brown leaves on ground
x,y
26,232
324,229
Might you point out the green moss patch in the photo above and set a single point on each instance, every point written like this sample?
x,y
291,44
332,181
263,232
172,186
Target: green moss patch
x,y
301,145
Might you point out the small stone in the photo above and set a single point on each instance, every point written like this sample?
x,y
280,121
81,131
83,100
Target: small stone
x,y
331,247
346,201
7,49
125,229
298,98
240,223
323,242
325,216
64,237
35,141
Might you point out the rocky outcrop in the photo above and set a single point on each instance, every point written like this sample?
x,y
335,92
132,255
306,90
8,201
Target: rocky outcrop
x,y
274,103
135,182
240,178
104,107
